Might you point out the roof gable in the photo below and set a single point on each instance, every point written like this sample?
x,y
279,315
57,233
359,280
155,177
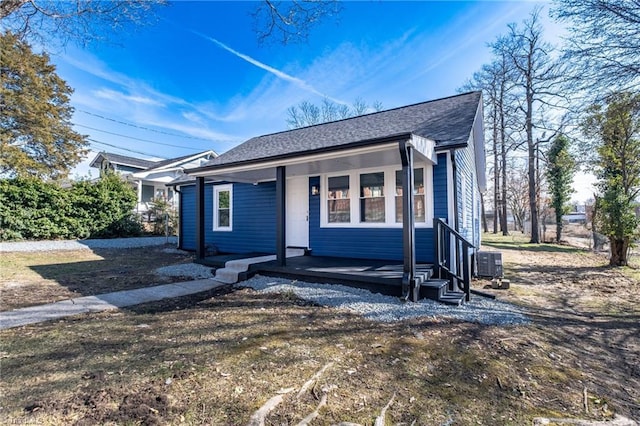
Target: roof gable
x,y
448,121
176,162
122,160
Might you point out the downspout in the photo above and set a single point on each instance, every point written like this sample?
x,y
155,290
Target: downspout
x,y
410,285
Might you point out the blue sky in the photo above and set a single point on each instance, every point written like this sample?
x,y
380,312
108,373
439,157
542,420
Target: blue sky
x,y
198,79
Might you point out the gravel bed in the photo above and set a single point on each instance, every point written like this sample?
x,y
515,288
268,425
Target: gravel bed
x,y
114,243
187,270
383,308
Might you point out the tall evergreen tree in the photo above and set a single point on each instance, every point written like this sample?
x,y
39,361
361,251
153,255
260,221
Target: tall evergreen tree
x,y
36,137
560,170
615,127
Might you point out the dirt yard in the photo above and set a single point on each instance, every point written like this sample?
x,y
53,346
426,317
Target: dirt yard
x,y
28,279
224,357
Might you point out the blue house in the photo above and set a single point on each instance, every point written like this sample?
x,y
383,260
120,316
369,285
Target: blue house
x,y
401,186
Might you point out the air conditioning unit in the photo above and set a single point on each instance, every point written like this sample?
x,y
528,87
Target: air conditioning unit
x,y
489,264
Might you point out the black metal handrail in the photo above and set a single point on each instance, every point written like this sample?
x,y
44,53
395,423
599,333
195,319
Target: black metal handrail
x,y
450,243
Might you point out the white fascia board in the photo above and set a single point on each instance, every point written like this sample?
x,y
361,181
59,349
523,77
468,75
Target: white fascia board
x,y
426,147
295,160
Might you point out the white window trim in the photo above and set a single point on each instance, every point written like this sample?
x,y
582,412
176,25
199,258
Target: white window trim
x,y
216,190
389,194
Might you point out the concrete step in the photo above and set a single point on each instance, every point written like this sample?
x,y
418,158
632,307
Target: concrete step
x,y
454,298
236,268
433,289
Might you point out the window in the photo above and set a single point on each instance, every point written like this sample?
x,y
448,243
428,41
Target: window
x,y
419,207
147,193
222,208
372,205
377,198
338,202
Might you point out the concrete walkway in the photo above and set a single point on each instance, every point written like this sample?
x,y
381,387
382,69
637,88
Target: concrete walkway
x,y
103,302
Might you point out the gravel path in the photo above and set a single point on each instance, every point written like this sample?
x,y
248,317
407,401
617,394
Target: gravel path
x,y
114,243
383,308
374,306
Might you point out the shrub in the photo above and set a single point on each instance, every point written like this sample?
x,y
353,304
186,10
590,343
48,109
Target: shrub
x,y
31,209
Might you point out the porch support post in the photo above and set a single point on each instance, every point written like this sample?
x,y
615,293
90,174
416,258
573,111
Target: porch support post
x,y
200,247
410,285
281,215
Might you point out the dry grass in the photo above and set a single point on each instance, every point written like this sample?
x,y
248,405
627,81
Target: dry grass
x,y
28,279
215,358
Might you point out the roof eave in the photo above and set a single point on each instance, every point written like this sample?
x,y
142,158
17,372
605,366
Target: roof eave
x,y
358,144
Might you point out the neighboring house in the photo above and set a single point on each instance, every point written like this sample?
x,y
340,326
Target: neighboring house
x,y
150,177
342,189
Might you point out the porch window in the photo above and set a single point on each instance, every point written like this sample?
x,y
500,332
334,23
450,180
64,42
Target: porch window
x,y
338,201
379,198
418,196
222,209
372,204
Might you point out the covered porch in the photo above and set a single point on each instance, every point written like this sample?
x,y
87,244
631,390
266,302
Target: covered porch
x,y
398,151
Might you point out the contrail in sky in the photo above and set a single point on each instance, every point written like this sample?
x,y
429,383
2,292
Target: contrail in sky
x,y
282,75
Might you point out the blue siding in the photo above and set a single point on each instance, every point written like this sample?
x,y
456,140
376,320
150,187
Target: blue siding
x,y
254,224
188,223
254,219
376,243
440,195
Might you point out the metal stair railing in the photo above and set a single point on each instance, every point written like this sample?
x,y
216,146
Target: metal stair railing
x,y
449,242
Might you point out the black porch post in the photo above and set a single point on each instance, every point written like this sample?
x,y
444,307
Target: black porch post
x,y
200,248
281,215
410,286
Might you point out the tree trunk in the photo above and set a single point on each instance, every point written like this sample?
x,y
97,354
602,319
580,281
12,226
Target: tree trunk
x,y
619,249
558,229
485,227
496,176
533,198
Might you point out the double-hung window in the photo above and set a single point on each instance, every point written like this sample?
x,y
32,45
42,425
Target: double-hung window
x,y
372,204
222,207
338,201
419,207
372,198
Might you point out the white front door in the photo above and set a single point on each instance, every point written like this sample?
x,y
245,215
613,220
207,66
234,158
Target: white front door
x,y
298,212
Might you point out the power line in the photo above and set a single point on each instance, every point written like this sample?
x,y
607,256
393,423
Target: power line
x,y
137,139
142,127
120,148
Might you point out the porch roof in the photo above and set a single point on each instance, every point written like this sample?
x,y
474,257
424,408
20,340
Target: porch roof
x,y
448,122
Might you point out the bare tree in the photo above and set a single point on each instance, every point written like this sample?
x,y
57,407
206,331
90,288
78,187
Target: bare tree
x,y
308,114
495,80
517,188
604,42
291,21
81,21
537,75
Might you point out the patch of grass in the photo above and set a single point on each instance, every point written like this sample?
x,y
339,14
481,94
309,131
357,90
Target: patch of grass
x,y
28,279
521,242
216,357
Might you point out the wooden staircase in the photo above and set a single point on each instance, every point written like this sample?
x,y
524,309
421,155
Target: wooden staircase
x,y
438,290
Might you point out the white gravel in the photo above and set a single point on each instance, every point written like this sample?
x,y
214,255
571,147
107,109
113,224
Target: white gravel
x,y
374,306
114,243
187,270
383,308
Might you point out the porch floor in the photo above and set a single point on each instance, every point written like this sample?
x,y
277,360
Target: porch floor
x,y
380,276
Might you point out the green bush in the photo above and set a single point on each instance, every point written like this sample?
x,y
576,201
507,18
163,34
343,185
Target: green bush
x,y
31,209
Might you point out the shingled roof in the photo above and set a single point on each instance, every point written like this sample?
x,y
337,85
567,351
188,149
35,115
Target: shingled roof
x,y
123,160
446,121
